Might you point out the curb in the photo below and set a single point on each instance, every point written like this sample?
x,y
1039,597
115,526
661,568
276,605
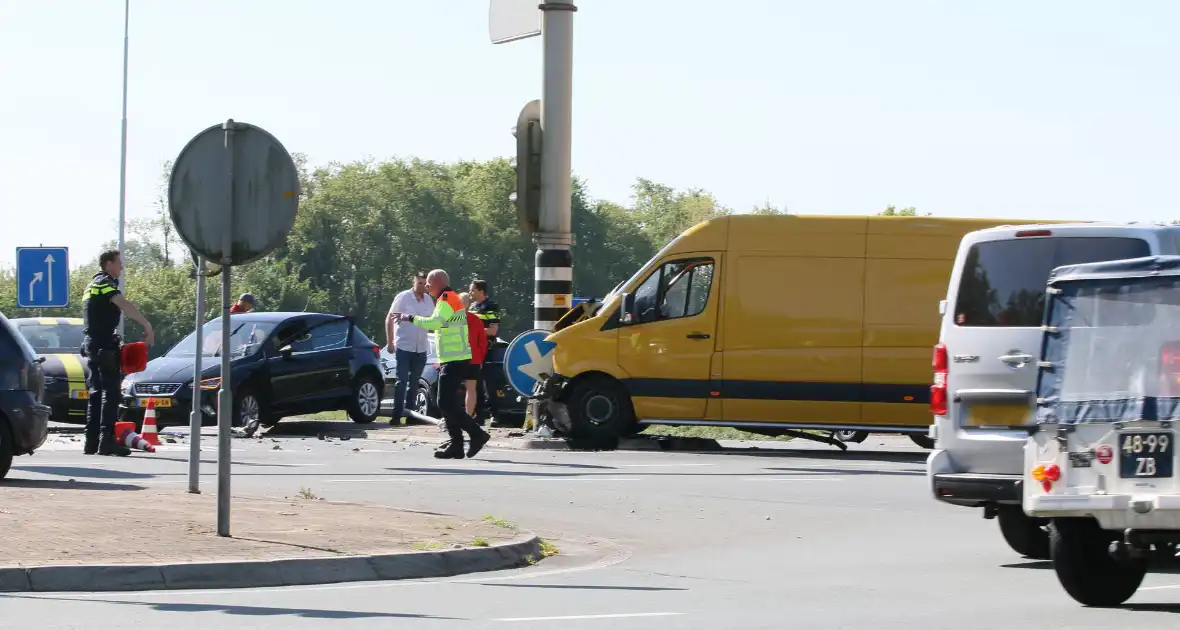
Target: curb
x,y
270,573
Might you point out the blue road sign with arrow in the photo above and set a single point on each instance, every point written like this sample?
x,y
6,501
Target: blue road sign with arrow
x,y
42,277
527,358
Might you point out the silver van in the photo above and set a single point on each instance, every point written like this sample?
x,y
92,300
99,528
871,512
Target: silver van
x,y
985,366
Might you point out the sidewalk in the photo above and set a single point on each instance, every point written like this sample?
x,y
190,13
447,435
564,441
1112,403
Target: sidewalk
x,y
118,528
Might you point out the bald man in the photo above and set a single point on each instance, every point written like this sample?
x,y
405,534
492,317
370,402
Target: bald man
x,y
453,349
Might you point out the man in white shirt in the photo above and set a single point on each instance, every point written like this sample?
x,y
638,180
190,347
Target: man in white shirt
x,y
408,343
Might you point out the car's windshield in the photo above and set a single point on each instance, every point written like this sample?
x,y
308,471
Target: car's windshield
x,y
53,338
245,338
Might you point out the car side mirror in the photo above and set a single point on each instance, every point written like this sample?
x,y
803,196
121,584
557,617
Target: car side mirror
x,y
286,351
627,309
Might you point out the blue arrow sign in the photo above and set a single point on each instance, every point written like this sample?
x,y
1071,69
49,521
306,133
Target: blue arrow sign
x,y
42,277
527,358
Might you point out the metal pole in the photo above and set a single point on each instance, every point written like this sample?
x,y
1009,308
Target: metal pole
x,y
225,410
123,153
553,281
194,418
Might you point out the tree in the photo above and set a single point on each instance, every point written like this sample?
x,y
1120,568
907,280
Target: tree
x,y
364,227
893,211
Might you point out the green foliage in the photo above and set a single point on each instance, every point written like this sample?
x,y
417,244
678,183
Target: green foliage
x,y
364,227
893,211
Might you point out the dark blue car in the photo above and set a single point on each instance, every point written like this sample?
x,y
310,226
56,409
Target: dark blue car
x,y
283,364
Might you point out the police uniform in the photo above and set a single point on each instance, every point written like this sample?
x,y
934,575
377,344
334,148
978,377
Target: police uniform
x,y
488,312
453,349
101,346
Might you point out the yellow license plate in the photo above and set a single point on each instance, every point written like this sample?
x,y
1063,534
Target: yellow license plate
x,y
160,402
998,415
80,394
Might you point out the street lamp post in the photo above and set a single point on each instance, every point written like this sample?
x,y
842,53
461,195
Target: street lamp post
x,y
123,152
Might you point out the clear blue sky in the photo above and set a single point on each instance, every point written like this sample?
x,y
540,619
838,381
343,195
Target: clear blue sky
x,y
1047,109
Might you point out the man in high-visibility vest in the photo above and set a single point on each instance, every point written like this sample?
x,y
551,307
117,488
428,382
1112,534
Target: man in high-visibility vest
x,y
453,352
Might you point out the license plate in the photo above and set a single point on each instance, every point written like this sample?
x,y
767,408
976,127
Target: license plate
x,y
160,402
1081,459
80,394
1000,415
1146,455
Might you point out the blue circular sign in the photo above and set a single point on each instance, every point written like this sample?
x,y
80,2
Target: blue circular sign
x,y
527,359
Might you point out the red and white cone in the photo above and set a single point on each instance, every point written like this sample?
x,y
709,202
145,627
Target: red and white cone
x,y
150,434
132,440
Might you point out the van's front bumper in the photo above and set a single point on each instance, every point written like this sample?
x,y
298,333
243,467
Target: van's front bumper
x,y
969,489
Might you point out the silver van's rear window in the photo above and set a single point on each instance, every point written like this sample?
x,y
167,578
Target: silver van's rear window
x,y
1003,282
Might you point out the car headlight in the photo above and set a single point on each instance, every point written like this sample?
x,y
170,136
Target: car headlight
x,y
128,387
211,383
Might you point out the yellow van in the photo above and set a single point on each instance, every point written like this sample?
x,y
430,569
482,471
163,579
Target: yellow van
x,y
767,323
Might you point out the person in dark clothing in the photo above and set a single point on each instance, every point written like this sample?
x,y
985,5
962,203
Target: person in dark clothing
x,y
483,307
102,305
453,350
245,304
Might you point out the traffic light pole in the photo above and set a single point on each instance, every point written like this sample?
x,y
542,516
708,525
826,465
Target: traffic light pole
x,y
553,279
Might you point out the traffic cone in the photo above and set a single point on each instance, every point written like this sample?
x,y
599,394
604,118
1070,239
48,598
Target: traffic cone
x,y
132,440
149,424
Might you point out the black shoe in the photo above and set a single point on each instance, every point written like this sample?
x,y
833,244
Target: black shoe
x,y
117,450
90,448
450,453
477,442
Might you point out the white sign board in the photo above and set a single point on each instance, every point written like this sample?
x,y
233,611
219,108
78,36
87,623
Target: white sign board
x,y
512,20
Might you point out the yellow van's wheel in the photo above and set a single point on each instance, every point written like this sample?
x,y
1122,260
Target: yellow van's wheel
x,y
600,412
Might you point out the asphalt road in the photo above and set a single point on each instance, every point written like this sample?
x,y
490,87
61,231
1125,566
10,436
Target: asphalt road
x,y
803,537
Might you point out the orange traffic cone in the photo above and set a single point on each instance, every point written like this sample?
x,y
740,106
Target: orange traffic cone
x,y
150,435
132,440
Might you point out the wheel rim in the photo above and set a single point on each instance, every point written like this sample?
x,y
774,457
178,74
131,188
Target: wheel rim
x,y
250,412
421,400
367,398
845,435
600,409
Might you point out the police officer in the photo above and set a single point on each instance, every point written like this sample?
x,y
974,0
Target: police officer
x,y
102,304
453,350
483,307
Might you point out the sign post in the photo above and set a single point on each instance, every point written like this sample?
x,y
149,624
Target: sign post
x,y
42,277
233,197
553,20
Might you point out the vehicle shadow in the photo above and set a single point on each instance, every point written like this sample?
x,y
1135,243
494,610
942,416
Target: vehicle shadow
x,y
321,429
1162,567
248,611
902,457
63,484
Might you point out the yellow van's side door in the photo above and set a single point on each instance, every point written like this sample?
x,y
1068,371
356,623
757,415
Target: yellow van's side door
x,y
667,349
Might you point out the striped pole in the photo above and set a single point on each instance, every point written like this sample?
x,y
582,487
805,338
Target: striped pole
x,y
553,287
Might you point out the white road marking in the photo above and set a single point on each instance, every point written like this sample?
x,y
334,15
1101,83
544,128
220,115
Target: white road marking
x,y
791,479
575,617
389,480
661,465
584,478
1158,588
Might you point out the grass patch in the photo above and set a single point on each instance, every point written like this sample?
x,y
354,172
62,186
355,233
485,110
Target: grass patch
x,y
427,545
548,549
710,433
480,542
306,493
498,522
326,415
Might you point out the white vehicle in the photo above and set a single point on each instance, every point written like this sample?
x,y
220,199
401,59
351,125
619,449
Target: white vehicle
x,y
985,361
1100,463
